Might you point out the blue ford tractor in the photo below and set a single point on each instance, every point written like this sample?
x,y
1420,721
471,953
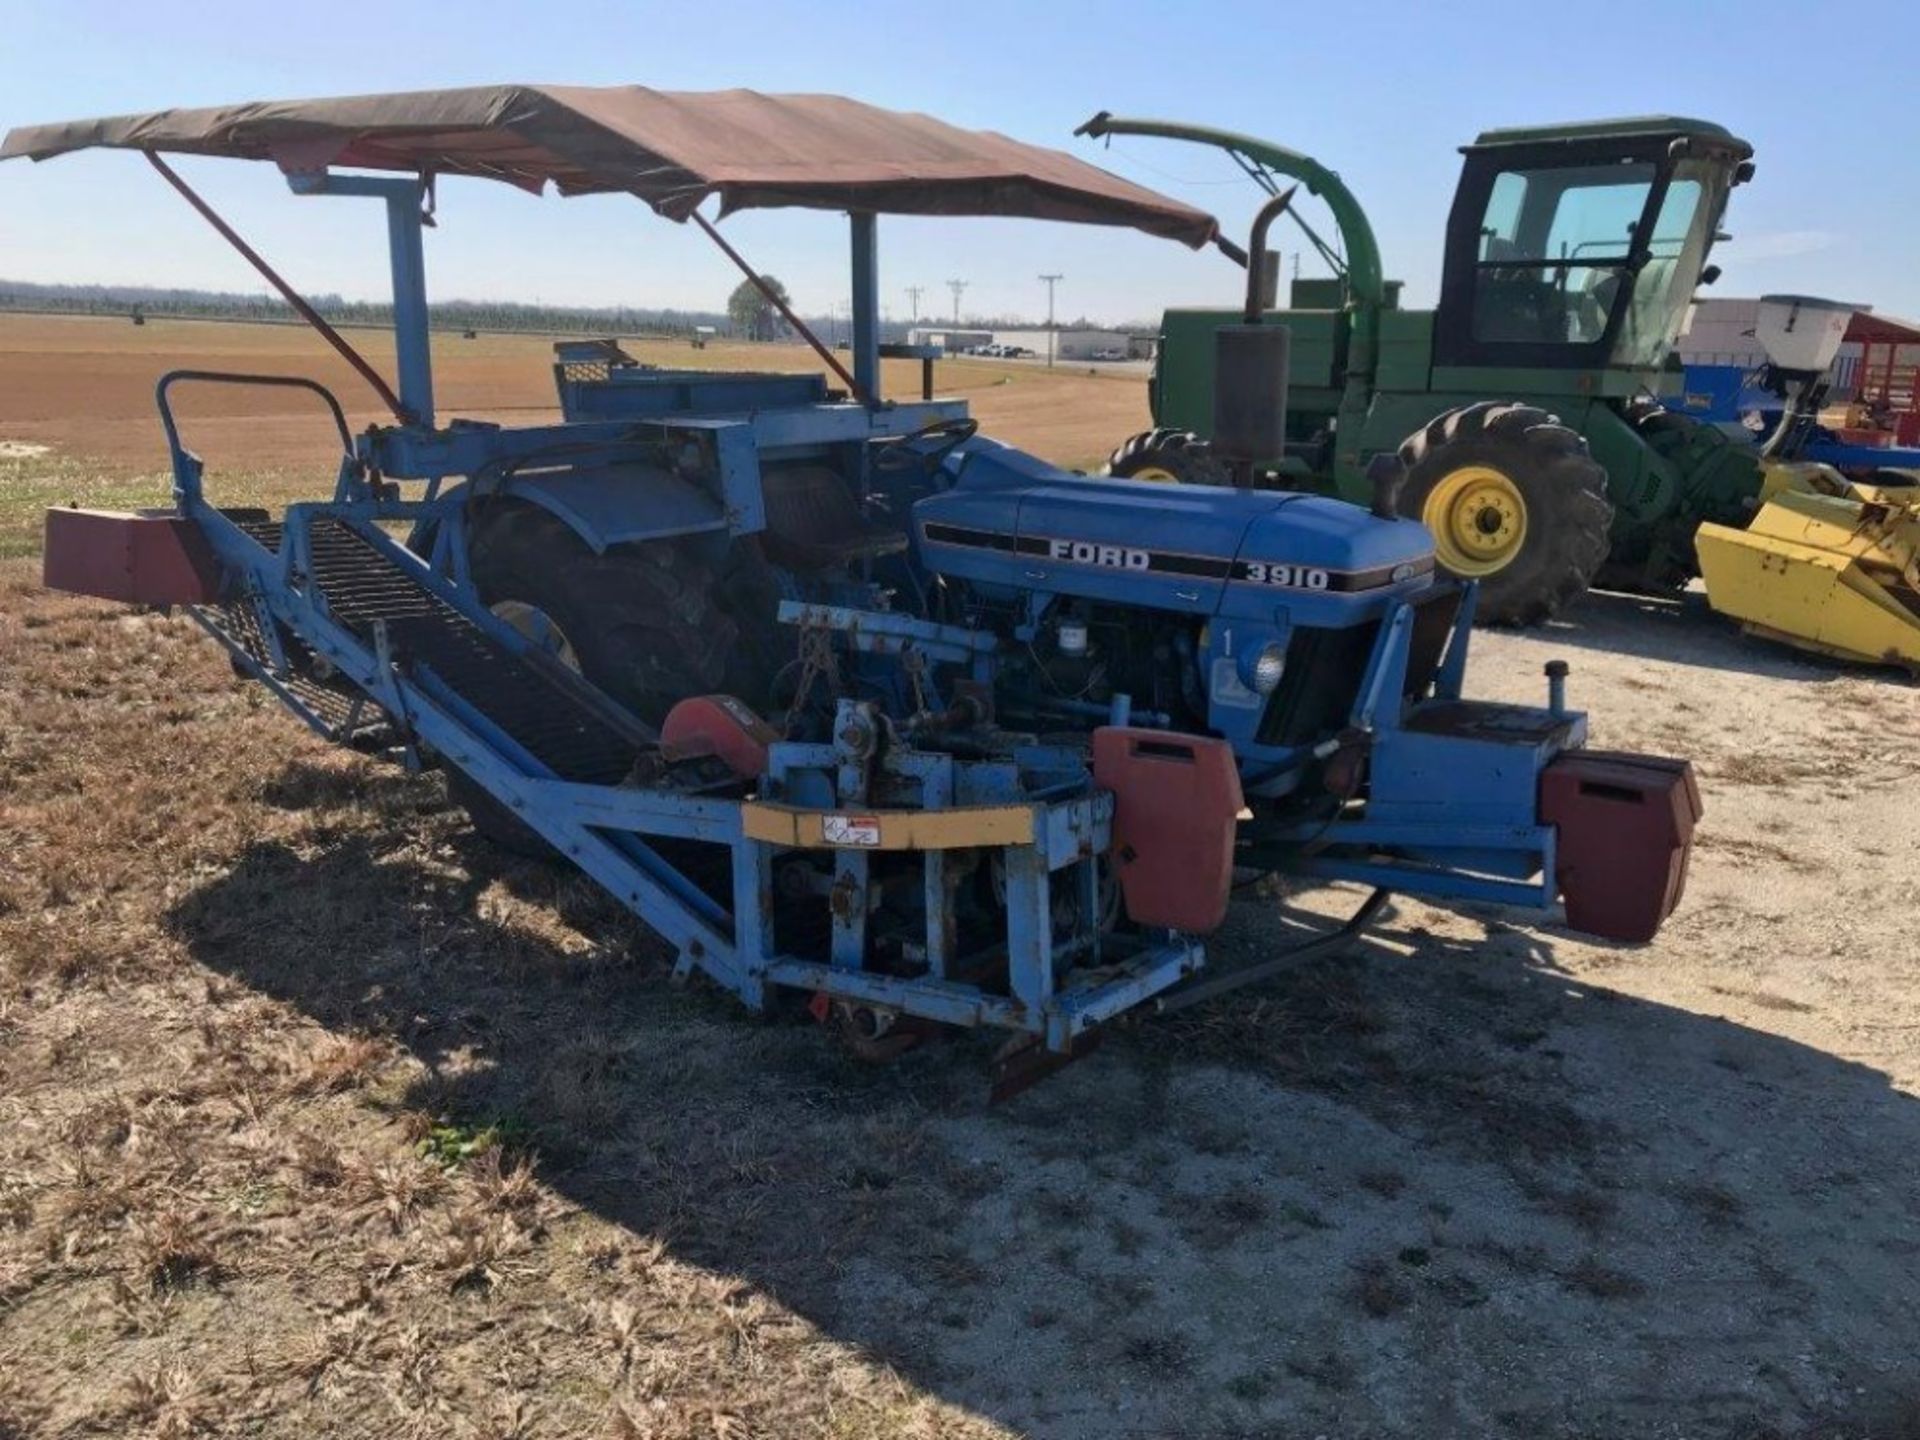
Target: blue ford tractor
x,y
847,701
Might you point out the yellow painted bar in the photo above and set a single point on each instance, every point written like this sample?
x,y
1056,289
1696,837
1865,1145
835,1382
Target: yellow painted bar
x,y
890,829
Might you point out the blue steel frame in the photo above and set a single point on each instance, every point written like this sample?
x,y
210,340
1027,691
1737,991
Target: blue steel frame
x,y
605,829
1456,812
1450,815
405,199
1719,395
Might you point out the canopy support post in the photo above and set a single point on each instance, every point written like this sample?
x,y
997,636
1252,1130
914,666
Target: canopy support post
x,y
412,343
866,305
293,297
786,311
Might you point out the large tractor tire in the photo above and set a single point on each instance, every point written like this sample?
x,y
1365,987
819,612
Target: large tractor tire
x,y
643,622
1177,457
1633,567
1515,501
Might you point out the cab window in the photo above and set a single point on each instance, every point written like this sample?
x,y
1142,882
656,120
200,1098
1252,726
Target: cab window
x,y
1675,252
1554,245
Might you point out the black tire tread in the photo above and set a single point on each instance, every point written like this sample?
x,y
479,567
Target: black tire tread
x,y
646,620
1569,493
1181,451
1652,421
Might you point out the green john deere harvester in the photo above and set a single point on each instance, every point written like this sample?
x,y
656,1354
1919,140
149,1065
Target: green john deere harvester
x,y
1539,457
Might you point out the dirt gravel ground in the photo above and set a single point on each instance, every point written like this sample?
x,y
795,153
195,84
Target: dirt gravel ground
x,y
318,1116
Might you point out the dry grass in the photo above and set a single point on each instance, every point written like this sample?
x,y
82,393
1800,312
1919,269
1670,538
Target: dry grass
x,y
1379,1290
232,1208
1593,1276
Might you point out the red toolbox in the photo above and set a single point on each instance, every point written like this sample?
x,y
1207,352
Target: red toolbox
x,y
1625,827
1176,808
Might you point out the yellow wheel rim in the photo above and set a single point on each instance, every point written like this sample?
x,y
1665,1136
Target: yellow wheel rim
x,y
1478,518
1159,474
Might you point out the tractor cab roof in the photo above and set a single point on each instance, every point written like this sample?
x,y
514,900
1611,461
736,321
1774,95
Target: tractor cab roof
x,y
1628,128
672,149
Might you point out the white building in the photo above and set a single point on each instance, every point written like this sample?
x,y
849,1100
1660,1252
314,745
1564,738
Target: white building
x,y
1071,344
951,338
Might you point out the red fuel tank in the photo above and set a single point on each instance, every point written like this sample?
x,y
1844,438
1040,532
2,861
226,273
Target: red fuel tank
x,y
1626,828
1176,806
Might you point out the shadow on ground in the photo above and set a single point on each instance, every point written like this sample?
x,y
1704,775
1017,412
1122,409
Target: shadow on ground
x,y
1427,1188
1683,630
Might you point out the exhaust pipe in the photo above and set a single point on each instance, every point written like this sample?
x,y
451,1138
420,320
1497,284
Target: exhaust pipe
x,y
1251,362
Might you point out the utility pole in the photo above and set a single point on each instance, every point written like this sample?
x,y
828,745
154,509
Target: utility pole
x,y
914,292
956,286
1052,335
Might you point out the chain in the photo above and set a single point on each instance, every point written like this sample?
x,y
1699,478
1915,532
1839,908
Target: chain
x,y
817,658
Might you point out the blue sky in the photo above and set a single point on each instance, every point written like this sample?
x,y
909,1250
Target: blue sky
x,y
1382,92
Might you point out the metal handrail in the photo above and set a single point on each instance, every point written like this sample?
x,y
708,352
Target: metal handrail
x,y
237,377
180,453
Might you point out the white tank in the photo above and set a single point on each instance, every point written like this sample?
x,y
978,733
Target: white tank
x,y
1801,333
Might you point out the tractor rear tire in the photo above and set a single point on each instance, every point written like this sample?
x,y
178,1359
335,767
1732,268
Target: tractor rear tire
x,y
642,622
1514,500
1173,456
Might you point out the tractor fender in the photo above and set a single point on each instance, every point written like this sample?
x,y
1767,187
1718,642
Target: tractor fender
x,y
618,505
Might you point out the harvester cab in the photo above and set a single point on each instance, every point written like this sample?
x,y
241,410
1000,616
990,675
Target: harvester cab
x,y
1522,404
1579,248
845,700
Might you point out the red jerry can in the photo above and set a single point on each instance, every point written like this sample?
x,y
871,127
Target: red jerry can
x,y
1176,807
1626,828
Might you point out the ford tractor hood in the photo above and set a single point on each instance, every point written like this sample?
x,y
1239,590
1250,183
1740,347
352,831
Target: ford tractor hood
x,y
1011,522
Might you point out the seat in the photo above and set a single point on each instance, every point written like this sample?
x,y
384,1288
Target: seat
x,y
814,523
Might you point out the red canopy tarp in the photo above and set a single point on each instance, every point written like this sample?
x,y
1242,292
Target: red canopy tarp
x,y
673,149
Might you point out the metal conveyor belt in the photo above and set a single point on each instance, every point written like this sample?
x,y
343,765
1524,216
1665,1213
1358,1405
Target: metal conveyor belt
x,y
541,713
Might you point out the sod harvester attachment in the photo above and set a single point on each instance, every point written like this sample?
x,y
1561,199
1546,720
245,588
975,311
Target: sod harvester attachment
x,y
1031,726
1828,563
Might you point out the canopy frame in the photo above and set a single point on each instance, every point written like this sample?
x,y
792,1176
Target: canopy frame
x,y
671,150
407,216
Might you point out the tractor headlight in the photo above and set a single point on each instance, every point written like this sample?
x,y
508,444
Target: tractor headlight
x,y
1268,666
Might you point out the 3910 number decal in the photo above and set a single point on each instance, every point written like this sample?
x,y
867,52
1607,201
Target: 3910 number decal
x,y
1293,577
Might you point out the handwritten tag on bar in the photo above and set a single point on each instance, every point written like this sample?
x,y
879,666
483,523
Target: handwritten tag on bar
x,y
861,830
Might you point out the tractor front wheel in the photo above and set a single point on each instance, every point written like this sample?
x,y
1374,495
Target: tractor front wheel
x,y
1177,457
1515,501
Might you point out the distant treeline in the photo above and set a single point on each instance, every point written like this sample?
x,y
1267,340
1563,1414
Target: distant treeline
x,y
159,301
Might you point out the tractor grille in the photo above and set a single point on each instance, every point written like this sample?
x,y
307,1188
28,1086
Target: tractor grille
x,y
1323,675
362,586
1326,667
